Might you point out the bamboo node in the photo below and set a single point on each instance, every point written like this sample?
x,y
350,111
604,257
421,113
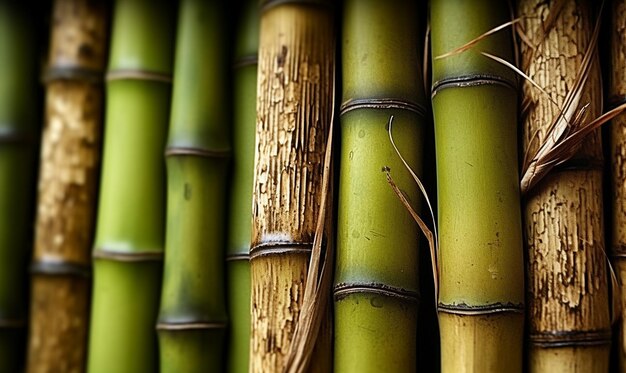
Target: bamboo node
x,y
280,248
53,267
198,325
382,103
120,256
72,73
139,75
571,338
341,291
472,81
472,310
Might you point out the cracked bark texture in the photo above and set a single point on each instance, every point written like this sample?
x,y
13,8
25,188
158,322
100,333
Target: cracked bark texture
x,y
294,106
70,158
617,95
568,304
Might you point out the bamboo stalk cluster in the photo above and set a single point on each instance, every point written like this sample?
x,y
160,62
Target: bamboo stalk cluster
x,y
230,228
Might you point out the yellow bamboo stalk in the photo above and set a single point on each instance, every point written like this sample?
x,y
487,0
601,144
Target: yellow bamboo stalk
x,y
567,287
294,106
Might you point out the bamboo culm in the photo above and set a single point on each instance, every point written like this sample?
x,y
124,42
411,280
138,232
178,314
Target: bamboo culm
x,y
568,304
376,291
294,109
18,132
128,248
617,95
481,293
240,221
192,318
69,167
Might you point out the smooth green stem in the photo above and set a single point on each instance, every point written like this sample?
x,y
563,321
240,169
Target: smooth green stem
x,y
192,318
376,283
240,222
130,226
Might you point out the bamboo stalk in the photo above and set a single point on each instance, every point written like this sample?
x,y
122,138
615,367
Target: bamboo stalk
x,y
294,107
617,95
481,299
376,292
17,133
70,159
192,318
129,235
240,222
567,275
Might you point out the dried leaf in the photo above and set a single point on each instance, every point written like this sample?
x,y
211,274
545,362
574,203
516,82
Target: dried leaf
x,y
431,236
568,129
319,275
476,40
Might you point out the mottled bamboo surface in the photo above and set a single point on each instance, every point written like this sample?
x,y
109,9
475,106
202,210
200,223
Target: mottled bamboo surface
x,y
567,283
68,179
294,106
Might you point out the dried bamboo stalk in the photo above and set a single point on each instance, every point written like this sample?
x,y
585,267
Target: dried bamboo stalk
x,y
68,177
617,95
294,106
567,274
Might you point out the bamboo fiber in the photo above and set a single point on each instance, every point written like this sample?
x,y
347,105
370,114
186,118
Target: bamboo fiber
x,y
70,159
192,319
617,95
18,119
294,108
130,227
376,278
568,308
240,222
481,299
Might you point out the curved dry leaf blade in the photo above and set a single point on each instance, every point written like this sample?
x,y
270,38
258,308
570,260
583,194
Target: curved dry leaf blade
x,y
568,129
476,40
425,230
431,236
319,275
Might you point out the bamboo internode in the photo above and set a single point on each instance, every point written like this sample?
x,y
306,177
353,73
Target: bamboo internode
x,y
240,222
294,108
481,298
376,277
129,239
69,168
18,134
567,285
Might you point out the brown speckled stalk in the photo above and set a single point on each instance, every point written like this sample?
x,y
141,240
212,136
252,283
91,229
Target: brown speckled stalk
x,y
70,158
617,95
568,304
294,106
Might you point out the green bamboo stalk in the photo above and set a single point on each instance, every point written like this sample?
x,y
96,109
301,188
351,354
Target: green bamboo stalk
x,y
129,235
192,319
481,298
568,292
18,101
240,222
376,290
617,95
294,109
69,169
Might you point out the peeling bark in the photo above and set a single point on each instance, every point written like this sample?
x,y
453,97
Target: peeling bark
x,y
568,304
294,106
